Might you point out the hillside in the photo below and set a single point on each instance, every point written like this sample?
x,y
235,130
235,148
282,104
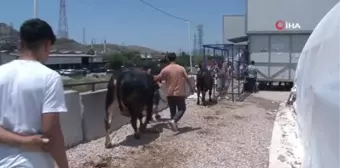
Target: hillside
x,y
10,36
69,44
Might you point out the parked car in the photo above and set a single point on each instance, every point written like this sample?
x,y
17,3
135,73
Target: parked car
x,y
110,71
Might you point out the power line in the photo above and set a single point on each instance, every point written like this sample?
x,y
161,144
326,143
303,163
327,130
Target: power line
x,y
198,27
166,13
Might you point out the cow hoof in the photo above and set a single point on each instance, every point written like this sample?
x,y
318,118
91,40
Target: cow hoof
x,y
142,128
121,108
108,145
137,135
158,117
198,103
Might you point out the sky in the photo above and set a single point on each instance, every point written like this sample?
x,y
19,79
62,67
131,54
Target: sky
x,y
130,22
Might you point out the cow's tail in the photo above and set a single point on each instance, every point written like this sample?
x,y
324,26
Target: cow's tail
x,y
110,94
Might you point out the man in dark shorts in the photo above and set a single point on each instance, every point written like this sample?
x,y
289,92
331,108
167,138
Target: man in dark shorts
x,y
173,75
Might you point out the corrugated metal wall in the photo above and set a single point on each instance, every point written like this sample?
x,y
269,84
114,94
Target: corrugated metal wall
x,y
276,55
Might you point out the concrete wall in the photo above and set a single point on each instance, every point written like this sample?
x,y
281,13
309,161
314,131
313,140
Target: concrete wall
x,y
233,26
84,120
71,122
261,15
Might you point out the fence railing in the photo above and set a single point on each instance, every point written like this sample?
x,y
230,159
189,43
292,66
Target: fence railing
x,y
92,84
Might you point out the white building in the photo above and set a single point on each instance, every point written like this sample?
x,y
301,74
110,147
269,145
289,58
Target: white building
x,y
275,32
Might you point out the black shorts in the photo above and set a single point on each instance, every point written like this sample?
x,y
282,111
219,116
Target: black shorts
x,y
156,97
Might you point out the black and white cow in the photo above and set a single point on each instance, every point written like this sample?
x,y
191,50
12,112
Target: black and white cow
x,y
134,90
204,83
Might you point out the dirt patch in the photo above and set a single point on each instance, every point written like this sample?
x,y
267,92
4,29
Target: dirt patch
x,y
99,162
148,156
152,156
204,132
239,117
264,103
218,112
211,118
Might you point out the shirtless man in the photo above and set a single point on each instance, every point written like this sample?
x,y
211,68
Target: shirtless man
x,y
173,75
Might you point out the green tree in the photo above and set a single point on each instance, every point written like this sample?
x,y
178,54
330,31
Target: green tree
x,y
116,60
130,55
183,60
197,59
90,52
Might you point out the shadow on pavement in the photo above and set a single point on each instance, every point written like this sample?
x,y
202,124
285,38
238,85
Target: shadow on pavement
x,y
150,135
208,103
244,96
186,130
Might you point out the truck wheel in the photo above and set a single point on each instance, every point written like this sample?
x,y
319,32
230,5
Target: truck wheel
x,y
262,85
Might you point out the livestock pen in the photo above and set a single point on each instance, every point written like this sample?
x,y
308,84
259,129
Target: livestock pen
x,y
225,53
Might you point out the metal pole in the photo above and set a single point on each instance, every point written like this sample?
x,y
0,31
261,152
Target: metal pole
x,y
190,52
35,8
232,74
215,77
203,54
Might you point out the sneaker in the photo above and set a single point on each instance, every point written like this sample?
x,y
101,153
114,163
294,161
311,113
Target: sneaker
x,y
173,125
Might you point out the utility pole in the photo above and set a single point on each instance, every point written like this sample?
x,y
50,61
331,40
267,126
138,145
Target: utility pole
x,y
84,36
200,40
104,46
190,50
35,8
194,52
63,26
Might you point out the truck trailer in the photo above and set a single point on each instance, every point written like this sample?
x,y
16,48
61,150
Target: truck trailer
x,y
277,32
276,56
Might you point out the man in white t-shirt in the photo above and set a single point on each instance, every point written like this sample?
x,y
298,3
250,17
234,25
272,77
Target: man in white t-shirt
x,y
31,98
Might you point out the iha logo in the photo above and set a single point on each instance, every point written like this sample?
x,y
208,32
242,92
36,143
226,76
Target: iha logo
x,y
282,25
